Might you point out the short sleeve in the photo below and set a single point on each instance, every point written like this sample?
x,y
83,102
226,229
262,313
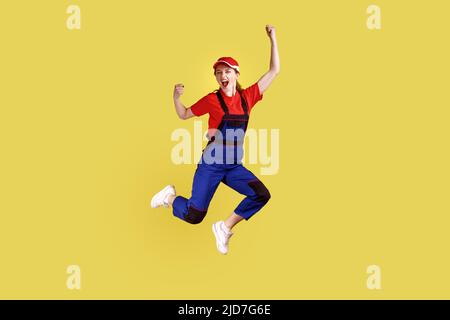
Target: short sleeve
x,y
252,95
201,107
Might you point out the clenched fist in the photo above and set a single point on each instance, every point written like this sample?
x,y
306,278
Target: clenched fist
x,y
178,90
270,30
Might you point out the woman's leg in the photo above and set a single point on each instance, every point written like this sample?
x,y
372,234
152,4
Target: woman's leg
x,y
245,182
170,199
233,220
206,180
257,195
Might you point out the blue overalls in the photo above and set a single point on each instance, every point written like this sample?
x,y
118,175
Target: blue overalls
x,y
221,161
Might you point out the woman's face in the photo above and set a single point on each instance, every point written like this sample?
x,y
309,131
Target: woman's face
x,y
226,76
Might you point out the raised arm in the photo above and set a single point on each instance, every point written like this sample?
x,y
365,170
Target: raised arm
x,y
274,69
183,112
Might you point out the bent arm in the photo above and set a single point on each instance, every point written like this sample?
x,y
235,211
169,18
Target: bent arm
x,y
182,112
267,79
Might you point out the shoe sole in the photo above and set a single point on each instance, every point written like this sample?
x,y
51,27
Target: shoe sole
x,y
217,241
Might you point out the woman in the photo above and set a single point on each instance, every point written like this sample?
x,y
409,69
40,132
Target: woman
x,y
229,108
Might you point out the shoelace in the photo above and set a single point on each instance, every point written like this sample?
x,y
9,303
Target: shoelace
x,y
227,233
227,237
166,200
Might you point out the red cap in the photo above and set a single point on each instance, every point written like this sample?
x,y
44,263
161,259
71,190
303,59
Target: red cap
x,y
228,61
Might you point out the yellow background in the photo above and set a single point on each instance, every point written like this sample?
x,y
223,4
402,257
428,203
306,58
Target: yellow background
x,y
86,118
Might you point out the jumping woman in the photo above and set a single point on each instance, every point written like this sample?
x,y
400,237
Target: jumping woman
x,y
229,108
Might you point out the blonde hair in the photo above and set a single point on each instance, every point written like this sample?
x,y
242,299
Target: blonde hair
x,y
238,87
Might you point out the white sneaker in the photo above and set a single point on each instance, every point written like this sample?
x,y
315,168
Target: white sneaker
x,y
161,198
223,235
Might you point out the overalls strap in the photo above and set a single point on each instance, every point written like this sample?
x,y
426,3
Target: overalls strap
x,y
224,106
222,102
244,104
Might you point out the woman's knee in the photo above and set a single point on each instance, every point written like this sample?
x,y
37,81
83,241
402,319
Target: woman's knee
x,y
195,216
262,194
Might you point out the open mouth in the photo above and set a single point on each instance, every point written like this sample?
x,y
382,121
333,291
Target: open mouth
x,y
225,83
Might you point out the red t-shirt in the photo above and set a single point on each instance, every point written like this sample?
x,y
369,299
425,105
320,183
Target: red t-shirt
x,y
210,104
